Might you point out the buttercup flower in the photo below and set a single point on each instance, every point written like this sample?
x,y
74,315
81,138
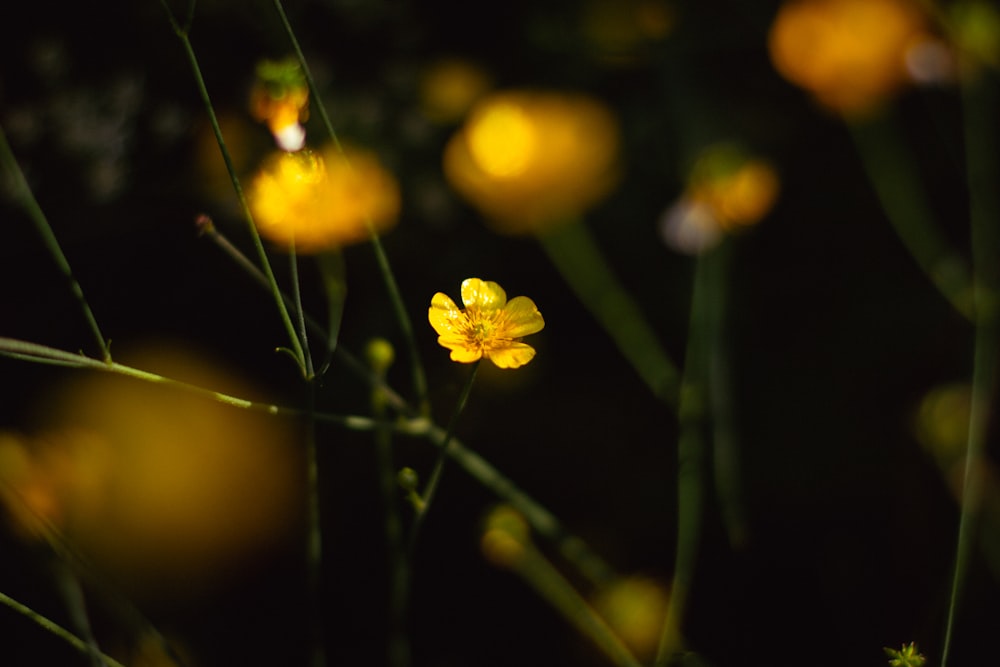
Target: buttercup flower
x,y
727,190
850,54
528,160
322,201
489,326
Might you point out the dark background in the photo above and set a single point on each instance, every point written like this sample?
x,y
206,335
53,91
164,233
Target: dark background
x,y
834,332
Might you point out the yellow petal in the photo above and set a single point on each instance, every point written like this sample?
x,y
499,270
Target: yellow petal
x,y
444,315
510,356
465,354
522,318
482,294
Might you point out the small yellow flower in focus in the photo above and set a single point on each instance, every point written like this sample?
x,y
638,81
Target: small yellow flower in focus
x,y
635,608
323,201
850,54
529,160
449,88
727,190
489,326
280,98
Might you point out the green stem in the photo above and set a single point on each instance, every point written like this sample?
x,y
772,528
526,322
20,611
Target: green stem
x,y
578,258
182,34
56,629
314,534
69,586
693,413
897,184
392,286
31,206
354,364
427,497
572,548
300,313
979,109
553,586
542,521
398,646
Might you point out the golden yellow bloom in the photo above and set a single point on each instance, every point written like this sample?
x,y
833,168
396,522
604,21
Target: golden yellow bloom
x,y
323,201
528,160
728,189
490,326
850,54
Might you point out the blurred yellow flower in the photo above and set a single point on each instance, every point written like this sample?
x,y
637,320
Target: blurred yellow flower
x,y
323,201
727,190
617,30
850,54
280,98
529,160
490,326
635,608
449,88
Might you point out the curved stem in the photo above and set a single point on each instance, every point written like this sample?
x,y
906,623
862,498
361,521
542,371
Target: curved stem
x,y
27,200
53,627
979,109
182,34
581,263
392,286
427,497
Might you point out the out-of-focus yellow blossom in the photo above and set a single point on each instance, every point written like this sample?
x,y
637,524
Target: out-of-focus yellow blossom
x,y
618,29
155,485
635,608
280,98
506,537
449,88
530,160
727,190
850,54
323,200
489,326
941,423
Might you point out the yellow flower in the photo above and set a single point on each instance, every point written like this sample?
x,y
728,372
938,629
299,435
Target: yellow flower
x,y
323,201
528,160
850,54
490,326
727,190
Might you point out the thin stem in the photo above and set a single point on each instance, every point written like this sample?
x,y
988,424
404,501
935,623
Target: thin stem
x,y
31,206
69,586
300,313
581,263
398,646
979,109
354,364
897,185
692,415
392,286
314,534
553,586
182,34
427,497
542,521
572,548
53,627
